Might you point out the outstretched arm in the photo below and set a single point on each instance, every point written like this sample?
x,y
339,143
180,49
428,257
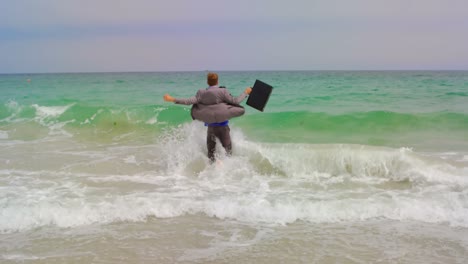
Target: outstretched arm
x,y
237,100
187,101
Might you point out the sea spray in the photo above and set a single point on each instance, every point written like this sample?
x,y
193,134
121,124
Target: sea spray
x,y
271,183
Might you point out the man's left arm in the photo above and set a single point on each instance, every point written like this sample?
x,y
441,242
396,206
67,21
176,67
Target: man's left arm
x,y
237,100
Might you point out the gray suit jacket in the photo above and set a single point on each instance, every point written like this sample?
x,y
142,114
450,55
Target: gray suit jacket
x,y
214,105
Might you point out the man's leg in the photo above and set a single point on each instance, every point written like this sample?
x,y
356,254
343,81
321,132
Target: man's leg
x,y
211,143
224,136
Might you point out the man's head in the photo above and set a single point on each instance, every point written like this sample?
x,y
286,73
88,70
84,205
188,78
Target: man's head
x,y
212,78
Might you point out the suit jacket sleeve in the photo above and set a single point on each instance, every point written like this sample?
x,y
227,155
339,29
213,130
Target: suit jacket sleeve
x,y
188,101
228,98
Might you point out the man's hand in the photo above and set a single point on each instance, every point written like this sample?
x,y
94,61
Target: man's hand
x,y
248,90
169,98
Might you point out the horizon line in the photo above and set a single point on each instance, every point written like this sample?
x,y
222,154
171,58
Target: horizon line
x,y
187,71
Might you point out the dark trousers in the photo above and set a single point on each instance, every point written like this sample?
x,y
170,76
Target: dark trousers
x,y
222,133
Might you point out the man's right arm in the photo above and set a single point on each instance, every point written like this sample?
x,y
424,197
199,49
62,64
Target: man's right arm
x,y
185,101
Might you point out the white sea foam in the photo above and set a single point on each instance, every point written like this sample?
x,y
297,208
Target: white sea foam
x,y
46,116
12,105
46,207
43,112
88,120
260,183
14,109
130,159
153,120
18,257
3,134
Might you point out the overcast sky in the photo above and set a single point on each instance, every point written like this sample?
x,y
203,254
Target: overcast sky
x,y
197,35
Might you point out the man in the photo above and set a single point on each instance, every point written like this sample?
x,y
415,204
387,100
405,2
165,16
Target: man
x,y
214,106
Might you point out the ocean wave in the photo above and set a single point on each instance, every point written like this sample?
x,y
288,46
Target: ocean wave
x,y
88,122
372,122
378,128
72,205
83,115
273,183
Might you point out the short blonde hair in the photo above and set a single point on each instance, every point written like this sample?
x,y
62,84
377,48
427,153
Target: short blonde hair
x,y
212,78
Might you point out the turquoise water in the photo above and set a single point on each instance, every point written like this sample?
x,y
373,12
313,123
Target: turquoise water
x,y
97,167
411,109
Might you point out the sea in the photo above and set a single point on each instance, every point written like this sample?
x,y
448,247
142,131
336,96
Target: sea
x,y
340,167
